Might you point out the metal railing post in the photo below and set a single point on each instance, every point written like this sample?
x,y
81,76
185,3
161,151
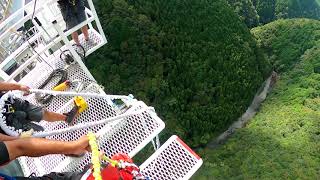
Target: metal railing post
x,y
4,75
73,52
93,10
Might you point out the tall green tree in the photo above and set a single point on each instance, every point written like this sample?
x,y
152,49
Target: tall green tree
x,y
266,10
247,12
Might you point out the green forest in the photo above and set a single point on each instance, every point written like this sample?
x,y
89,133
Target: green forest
x,y
200,64
258,12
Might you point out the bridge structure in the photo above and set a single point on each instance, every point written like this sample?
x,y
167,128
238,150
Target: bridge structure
x,y
38,45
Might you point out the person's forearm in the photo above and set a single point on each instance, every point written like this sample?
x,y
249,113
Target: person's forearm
x,y
4,137
5,86
35,147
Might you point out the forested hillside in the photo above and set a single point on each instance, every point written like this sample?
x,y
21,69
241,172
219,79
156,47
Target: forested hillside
x,y
285,41
199,67
255,12
282,141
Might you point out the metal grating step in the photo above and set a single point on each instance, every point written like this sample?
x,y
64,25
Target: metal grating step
x,y
128,135
95,41
173,160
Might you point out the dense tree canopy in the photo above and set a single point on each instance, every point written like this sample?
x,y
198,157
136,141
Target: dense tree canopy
x,y
247,11
199,67
255,12
282,140
285,41
266,10
297,8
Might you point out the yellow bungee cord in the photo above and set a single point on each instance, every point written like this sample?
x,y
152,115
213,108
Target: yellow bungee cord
x,y
112,162
95,157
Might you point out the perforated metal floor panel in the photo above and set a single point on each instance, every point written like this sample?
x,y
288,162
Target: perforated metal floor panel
x,y
172,161
94,40
43,69
128,135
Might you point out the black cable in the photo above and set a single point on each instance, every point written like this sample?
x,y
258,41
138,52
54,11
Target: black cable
x,y
68,56
32,17
45,99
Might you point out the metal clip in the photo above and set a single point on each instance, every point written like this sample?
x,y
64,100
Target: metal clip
x,y
9,108
73,2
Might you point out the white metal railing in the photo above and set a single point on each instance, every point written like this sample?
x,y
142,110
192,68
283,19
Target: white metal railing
x,y
40,10
136,128
4,8
173,160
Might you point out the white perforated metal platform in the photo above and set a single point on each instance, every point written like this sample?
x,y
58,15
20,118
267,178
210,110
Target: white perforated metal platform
x,y
43,69
128,135
172,161
125,126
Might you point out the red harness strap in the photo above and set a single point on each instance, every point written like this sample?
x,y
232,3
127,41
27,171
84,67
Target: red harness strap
x,y
128,171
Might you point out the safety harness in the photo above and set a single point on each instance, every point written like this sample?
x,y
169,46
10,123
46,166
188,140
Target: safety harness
x,y
120,166
8,109
127,171
14,115
8,106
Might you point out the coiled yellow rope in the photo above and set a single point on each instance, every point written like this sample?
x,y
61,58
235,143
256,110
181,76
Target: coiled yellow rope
x,y
95,156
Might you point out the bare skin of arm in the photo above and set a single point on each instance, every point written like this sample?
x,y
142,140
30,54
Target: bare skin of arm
x,y
5,86
35,147
4,137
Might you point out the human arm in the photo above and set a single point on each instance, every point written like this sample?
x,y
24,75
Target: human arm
x,y
35,147
5,86
4,137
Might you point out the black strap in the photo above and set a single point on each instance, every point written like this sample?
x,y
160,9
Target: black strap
x,y
1,93
4,155
46,99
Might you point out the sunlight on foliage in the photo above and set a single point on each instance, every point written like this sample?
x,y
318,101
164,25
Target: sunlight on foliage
x,y
282,141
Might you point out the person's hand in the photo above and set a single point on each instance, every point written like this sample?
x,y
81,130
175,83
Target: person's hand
x,y
25,89
101,155
80,146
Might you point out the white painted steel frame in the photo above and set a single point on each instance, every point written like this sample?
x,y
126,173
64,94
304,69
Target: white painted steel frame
x,y
62,165
131,154
70,48
174,139
63,36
